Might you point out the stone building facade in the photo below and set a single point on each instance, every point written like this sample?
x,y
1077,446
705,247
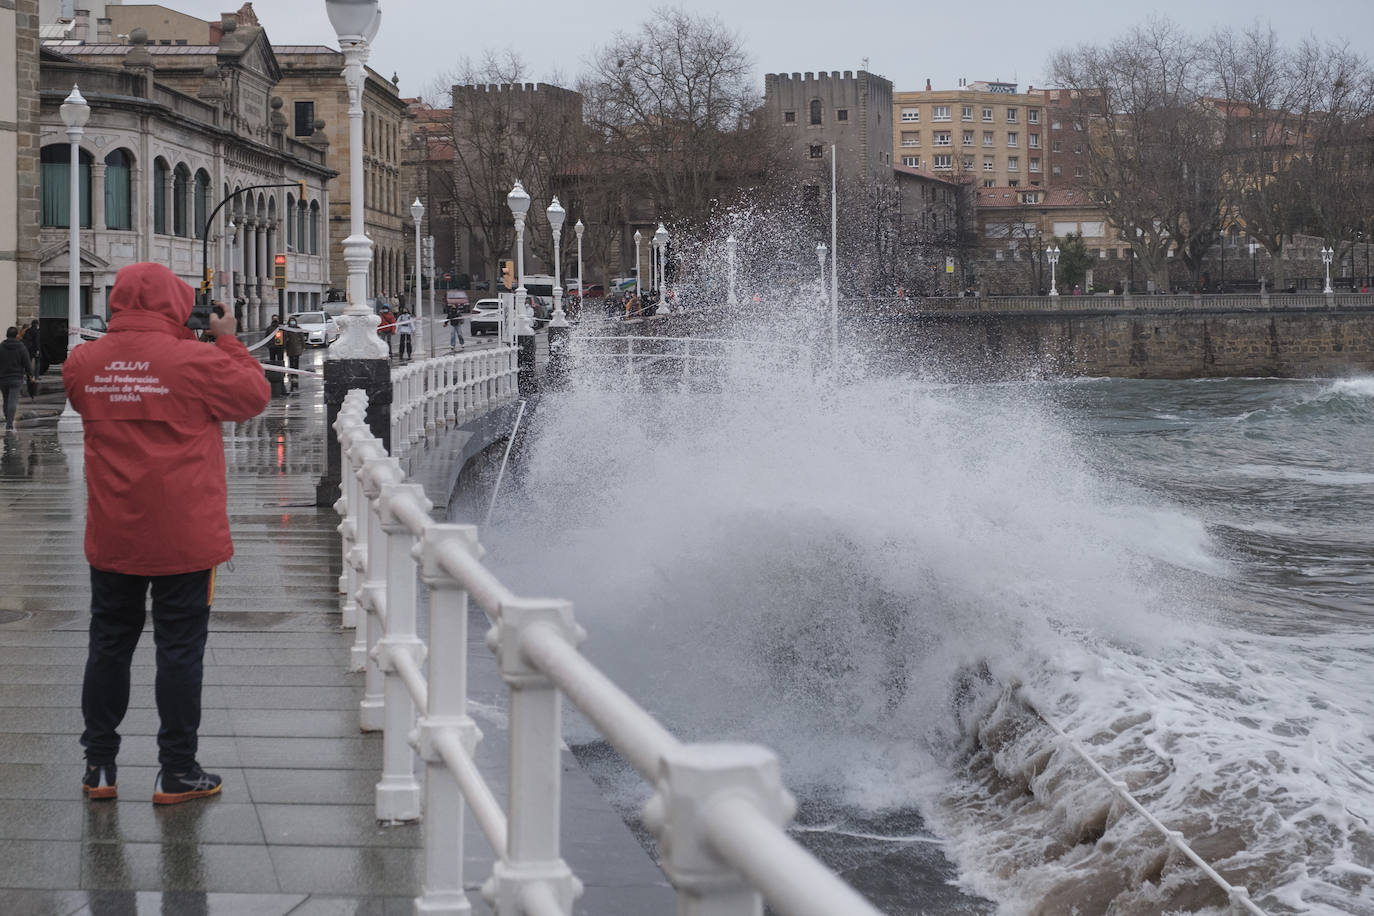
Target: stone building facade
x,y
851,110
987,133
316,104
19,200
173,131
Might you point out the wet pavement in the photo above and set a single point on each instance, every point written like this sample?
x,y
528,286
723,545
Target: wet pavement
x,y
294,830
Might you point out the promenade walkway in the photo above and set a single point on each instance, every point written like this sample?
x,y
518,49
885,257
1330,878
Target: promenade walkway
x,y
294,830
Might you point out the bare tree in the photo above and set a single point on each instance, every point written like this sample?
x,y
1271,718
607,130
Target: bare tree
x,y
672,102
1152,143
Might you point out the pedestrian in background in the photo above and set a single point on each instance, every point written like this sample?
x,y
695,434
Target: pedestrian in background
x,y
151,399
295,346
276,343
405,333
16,368
453,317
387,328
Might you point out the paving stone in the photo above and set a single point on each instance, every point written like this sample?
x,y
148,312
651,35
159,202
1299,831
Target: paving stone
x,y
176,866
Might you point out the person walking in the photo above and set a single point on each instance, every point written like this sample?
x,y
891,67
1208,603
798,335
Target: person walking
x,y
387,328
151,399
295,346
405,333
16,368
453,317
276,344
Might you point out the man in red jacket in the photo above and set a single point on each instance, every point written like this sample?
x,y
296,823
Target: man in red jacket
x,y
151,399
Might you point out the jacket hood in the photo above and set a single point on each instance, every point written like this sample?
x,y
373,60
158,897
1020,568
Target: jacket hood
x,y
149,287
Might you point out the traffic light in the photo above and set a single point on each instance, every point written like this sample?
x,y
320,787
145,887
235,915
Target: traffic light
x,y
300,200
209,277
508,274
279,272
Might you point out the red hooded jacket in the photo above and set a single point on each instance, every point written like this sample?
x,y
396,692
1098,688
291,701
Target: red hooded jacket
x,y
151,399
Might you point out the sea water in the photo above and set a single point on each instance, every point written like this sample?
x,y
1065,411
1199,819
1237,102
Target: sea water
x,y
897,584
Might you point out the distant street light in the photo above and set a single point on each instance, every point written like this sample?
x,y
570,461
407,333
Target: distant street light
x,y
661,240
556,215
730,246
417,210
75,113
578,229
638,238
519,202
1052,255
1327,254
821,251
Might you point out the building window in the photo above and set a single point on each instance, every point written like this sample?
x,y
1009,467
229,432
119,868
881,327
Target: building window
x,y
966,113
1013,183
789,117
1057,146
305,119
290,224
1013,163
942,138
987,138
56,180
201,203
1030,197
1033,115
911,138
987,114
968,163
968,138
911,114
815,111
911,162
1054,125
989,164
1033,141
1011,138
181,201
1035,164
944,162
841,114
314,227
815,151
989,183
939,113
119,190
1011,115
1055,170
299,218
160,197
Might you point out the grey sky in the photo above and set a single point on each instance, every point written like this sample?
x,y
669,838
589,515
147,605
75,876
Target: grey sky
x,y
908,43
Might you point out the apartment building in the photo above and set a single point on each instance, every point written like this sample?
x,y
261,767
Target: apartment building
x,y
985,134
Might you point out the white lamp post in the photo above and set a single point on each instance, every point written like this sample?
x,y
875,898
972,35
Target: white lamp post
x,y
556,215
1327,254
75,113
821,251
417,212
578,229
429,271
638,238
661,240
730,246
233,242
356,23
1052,255
519,202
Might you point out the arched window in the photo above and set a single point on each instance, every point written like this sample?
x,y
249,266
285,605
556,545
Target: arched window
x,y
119,213
160,196
815,111
56,180
314,227
290,228
202,203
181,201
298,217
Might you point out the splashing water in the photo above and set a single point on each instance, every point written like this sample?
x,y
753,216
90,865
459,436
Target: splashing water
x,y
878,576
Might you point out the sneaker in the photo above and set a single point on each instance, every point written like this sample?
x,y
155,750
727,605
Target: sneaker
x,y
99,781
172,788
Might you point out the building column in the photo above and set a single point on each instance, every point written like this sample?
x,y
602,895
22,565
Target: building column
x,y
259,264
250,314
97,204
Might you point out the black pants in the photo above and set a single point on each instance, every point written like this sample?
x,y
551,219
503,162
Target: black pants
x,y
181,618
405,348
11,390
294,381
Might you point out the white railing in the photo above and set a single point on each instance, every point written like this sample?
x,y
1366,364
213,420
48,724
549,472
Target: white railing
x,y
718,810
430,394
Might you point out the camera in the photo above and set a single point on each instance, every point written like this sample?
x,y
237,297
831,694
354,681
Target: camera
x,y
200,316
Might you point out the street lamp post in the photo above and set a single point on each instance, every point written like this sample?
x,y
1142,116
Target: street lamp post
x,y
429,310
556,214
1327,254
519,202
75,113
661,240
639,237
578,229
1052,255
417,212
233,243
1254,261
821,251
358,357
730,246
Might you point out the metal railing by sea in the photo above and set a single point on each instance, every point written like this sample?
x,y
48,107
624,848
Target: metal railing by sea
x,y
719,810
431,394
1103,302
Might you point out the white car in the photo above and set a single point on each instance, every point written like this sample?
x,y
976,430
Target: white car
x,y
319,327
486,318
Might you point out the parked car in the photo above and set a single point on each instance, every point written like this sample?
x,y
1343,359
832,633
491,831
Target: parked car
x,y
319,327
459,298
486,318
92,323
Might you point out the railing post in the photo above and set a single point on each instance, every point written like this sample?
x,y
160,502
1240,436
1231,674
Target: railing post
x,y
357,557
532,860
350,417
442,884
372,597
691,779
398,792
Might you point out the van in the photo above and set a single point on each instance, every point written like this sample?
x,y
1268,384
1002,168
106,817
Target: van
x,y
457,298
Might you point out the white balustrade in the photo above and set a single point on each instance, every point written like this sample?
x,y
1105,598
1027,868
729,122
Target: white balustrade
x,y
429,395
719,811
